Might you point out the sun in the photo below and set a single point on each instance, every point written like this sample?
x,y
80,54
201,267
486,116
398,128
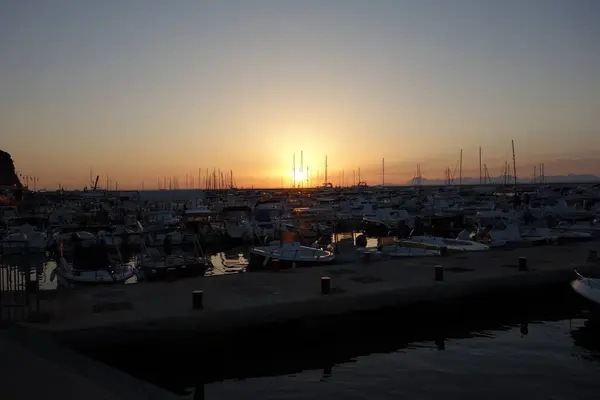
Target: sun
x,y
300,175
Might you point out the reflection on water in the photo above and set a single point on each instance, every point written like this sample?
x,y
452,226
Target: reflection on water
x,y
230,261
538,360
553,352
225,262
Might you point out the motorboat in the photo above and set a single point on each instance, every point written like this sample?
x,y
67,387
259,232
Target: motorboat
x,y
154,265
588,288
434,242
176,238
91,266
25,237
289,250
391,247
237,222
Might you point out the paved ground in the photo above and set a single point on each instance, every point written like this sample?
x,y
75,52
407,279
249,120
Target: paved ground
x,y
31,373
45,370
26,375
276,294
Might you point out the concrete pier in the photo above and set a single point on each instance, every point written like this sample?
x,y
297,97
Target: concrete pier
x,y
35,367
121,313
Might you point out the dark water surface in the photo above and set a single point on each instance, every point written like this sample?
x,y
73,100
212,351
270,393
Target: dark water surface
x,y
540,360
547,350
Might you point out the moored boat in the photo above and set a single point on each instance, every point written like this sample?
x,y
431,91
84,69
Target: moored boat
x,y
589,289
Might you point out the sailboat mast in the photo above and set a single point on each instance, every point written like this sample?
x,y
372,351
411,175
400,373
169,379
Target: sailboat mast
x,y
326,181
514,163
480,177
460,170
383,172
294,169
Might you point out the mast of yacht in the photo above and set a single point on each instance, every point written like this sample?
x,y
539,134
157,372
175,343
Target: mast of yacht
x,y
326,181
480,176
301,168
514,163
383,172
460,171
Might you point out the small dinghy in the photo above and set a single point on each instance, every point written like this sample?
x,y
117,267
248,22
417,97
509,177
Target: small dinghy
x,y
588,288
289,251
91,266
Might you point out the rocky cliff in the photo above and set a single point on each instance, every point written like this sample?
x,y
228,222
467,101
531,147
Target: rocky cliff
x,y
8,176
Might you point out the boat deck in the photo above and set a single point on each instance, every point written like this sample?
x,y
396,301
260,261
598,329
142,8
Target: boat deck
x,y
251,299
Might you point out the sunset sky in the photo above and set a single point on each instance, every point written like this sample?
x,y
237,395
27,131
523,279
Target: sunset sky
x,y
140,89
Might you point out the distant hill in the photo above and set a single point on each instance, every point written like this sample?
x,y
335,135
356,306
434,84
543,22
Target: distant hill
x,y
8,175
570,178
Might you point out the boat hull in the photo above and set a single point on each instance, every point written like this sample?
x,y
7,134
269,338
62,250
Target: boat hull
x,y
589,290
181,271
92,278
262,262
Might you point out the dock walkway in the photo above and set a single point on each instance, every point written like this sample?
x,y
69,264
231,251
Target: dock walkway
x,y
27,374
252,299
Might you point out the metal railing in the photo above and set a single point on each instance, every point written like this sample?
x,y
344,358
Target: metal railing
x,y
19,287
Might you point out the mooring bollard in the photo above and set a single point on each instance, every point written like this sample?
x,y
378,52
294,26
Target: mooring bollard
x,y
325,285
522,263
198,299
593,256
171,274
443,251
438,272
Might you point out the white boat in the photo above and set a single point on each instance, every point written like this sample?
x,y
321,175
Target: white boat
x,y
239,228
539,235
391,247
453,245
154,265
177,238
237,222
592,226
395,250
84,238
120,235
291,250
588,288
26,236
91,266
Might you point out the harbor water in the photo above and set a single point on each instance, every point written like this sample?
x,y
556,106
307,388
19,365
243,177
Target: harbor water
x,y
545,360
550,350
